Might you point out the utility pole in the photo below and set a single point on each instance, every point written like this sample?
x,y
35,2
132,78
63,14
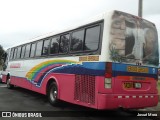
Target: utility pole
x,y
140,8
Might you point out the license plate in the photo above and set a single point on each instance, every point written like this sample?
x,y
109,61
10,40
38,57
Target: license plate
x,y
128,85
137,69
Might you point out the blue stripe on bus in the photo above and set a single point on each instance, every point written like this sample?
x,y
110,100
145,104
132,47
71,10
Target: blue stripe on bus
x,y
121,73
87,68
94,65
95,69
123,68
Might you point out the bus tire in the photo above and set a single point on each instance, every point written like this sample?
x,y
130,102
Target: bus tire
x,y
9,86
53,94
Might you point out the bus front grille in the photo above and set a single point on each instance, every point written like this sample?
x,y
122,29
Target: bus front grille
x,y
84,90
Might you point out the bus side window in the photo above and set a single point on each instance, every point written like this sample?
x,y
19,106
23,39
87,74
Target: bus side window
x,y
39,48
15,53
23,51
46,47
27,51
19,52
92,38
33,48
64,44
54,48
77,40
11,55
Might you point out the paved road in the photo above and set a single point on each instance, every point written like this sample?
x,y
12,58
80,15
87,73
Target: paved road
x,y
23,100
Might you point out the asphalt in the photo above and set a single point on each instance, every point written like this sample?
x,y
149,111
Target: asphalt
x,y
156,108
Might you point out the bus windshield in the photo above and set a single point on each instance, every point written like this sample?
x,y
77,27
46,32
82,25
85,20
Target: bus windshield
x,y
133,40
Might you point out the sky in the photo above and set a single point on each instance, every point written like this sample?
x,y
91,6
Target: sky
x,y
22,20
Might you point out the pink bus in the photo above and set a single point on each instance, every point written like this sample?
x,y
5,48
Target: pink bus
x,y
108,62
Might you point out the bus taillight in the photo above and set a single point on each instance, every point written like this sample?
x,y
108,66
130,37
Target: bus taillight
x,y
108,75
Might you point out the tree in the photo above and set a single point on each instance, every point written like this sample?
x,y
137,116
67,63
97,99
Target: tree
x,y
1,55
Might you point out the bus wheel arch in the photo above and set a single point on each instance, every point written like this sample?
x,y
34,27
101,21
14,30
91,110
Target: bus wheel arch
x,y
52,92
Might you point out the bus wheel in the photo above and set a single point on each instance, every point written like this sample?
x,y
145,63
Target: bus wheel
x,y
9,86
53,94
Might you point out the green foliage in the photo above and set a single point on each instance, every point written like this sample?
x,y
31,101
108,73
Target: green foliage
x,y
115,55
1,53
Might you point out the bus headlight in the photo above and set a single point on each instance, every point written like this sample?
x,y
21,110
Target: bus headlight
x,y
108,82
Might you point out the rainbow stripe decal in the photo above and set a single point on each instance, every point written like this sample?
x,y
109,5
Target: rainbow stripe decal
x,y
45,66
38,73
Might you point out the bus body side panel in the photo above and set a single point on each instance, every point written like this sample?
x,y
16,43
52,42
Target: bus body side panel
x,y
69,91
77,83
65,84
21,82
